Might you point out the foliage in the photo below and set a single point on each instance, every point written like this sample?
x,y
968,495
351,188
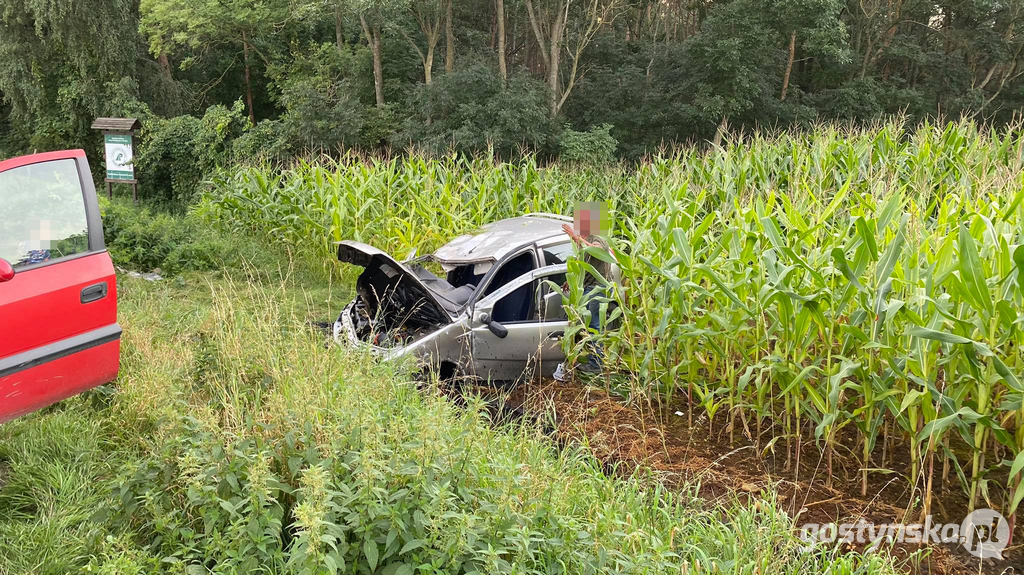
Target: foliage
x,y
139,239
732,62
191,29
170,25
177,153
260,142
56,58
471,110
803,288
322,111
594,146
661,73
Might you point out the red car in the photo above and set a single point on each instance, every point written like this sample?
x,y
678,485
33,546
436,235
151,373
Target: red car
x,y
59,334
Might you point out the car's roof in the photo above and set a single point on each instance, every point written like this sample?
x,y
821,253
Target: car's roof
x,y
497,239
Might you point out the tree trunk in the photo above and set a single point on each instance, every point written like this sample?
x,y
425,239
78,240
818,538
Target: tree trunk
x,y
502,66
449,35
373,39
554,58
378,73
428,64
719,134
248,79
553,82
165,65
549,50
789,66
339,31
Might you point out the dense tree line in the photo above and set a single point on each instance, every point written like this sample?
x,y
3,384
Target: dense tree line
x,y
503,75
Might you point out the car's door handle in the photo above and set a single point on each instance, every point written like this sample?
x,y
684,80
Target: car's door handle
x,y
556,335
94,292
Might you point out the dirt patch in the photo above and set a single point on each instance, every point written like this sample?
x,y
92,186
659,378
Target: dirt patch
x,y
626,438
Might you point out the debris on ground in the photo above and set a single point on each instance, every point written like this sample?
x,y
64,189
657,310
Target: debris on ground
x,y
153,276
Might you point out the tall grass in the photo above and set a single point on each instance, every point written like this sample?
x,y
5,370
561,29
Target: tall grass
x,y
848,289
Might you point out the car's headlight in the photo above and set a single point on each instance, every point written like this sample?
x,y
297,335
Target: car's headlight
x,y
344,332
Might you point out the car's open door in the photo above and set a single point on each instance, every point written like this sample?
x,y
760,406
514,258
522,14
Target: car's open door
x,y
58,297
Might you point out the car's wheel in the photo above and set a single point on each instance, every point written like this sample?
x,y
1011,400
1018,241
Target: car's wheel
x,y
444,373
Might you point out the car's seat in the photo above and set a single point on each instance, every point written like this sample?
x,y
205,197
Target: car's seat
x,y
454,299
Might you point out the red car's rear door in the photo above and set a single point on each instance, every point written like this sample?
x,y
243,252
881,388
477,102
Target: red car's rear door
x,y
58,312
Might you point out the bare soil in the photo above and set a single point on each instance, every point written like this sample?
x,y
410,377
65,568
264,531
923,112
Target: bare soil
x,y
626,438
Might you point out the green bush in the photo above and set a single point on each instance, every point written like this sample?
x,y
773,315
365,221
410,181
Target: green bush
x,y
143,240
595,146
177,153
322,110
470,110
263,141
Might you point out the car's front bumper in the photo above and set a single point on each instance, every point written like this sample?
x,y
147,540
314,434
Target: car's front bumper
x,y
345,334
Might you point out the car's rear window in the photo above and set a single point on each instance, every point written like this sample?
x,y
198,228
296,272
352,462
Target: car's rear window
x,y
42,213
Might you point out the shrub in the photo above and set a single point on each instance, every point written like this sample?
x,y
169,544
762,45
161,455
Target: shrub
x,y
322,110
470,110
140,239
178,152
595,146
261,142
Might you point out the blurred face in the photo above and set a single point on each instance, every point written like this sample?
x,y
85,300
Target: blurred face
x,y
591,219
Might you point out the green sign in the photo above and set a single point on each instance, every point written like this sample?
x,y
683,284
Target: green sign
x,y
119,157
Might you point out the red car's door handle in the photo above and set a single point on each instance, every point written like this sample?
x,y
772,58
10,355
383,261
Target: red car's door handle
x,y
94,292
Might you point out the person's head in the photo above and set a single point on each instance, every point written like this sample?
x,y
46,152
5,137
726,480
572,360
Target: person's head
x,y
591,219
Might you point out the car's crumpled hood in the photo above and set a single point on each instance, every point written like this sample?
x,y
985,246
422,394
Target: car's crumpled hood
x,y
385,274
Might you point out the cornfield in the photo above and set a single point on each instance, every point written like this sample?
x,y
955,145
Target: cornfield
x,y
858,291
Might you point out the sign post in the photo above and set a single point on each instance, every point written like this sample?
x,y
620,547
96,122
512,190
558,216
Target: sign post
x,y
118,148
119,157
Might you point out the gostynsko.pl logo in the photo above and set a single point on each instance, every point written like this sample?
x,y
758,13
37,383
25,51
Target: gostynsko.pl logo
x,y
984,533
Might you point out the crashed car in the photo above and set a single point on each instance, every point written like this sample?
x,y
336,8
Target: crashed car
x,y
488,308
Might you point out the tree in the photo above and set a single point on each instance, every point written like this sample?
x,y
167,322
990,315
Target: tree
x,y
195,26
428,15
57,60
988,37
449,37
816,24
374,17
876,23
732,63
659,71
500,17
318,10
471,110
321,109
555,22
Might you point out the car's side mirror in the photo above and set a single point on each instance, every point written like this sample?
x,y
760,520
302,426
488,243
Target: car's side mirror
x,y
494,327
6,271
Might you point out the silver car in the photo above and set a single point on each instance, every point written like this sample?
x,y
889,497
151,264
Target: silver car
x,y
479,306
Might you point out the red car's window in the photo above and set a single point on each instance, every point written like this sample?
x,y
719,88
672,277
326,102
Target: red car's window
x,y
42,213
